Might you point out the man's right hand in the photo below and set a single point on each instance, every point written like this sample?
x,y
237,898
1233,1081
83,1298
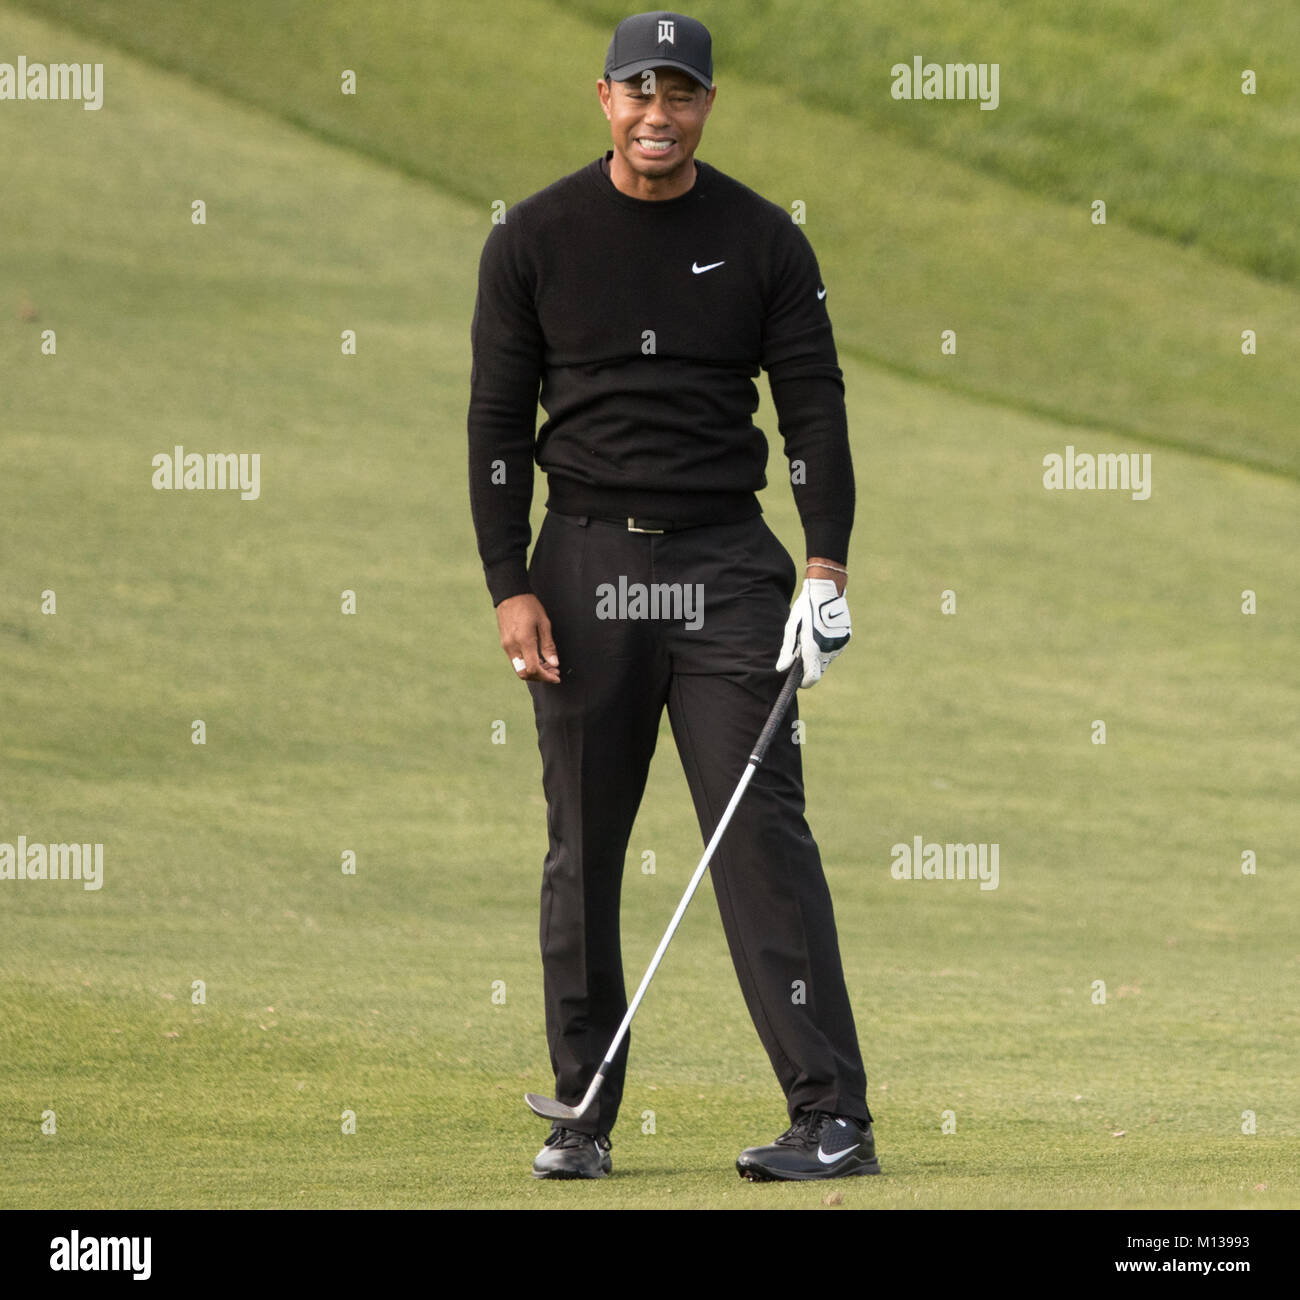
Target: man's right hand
x,y
526,638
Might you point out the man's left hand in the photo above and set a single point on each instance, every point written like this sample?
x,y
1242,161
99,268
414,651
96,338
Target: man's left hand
x,y
819,625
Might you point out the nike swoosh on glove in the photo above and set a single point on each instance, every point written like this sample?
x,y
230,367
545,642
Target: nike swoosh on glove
x,y
819,626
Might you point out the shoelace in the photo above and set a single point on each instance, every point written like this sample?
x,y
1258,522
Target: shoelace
x,y
568,1137
805,1129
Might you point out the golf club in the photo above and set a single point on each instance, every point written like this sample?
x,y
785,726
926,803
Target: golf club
x,y
548,1107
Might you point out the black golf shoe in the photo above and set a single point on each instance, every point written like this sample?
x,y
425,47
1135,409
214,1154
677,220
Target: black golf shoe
x,y
816,1145
568,1154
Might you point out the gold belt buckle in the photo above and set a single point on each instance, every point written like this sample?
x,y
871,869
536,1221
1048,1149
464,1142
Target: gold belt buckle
x,y
632,528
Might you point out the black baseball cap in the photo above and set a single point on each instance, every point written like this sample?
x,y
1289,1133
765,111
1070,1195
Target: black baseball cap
x,y
660,39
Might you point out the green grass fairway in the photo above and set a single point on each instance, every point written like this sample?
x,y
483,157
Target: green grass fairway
x,y
409,993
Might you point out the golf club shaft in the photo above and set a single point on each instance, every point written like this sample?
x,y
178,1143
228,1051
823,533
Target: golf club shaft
x,y
756,757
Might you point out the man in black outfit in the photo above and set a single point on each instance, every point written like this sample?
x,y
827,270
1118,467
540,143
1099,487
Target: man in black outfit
x,y
642,294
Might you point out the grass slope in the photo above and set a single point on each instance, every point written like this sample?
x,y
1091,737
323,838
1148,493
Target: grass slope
x,y
373,993
1103,326
1140,105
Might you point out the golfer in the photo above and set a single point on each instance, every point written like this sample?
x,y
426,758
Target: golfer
x,y
638,299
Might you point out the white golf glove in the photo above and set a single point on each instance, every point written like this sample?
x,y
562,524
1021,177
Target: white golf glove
x,y
819,624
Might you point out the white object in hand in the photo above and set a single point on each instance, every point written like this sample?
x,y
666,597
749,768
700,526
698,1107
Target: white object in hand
x,y
819,625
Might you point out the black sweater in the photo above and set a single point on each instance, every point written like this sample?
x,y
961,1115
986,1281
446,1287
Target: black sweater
x,y
645,324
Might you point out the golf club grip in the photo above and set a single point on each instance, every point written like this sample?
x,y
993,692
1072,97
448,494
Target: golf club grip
x,y
793,678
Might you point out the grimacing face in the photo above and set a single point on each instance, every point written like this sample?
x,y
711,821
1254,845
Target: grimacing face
x,y
656,120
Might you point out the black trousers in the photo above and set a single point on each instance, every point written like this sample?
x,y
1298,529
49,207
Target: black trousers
x,y
703,640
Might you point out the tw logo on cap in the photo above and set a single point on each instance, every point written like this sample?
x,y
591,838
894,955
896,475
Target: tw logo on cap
x,y
667,32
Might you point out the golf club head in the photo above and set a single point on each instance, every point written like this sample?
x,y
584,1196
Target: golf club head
x,y
548,1108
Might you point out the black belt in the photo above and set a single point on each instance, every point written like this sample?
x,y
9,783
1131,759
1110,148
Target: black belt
x,y
639,524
